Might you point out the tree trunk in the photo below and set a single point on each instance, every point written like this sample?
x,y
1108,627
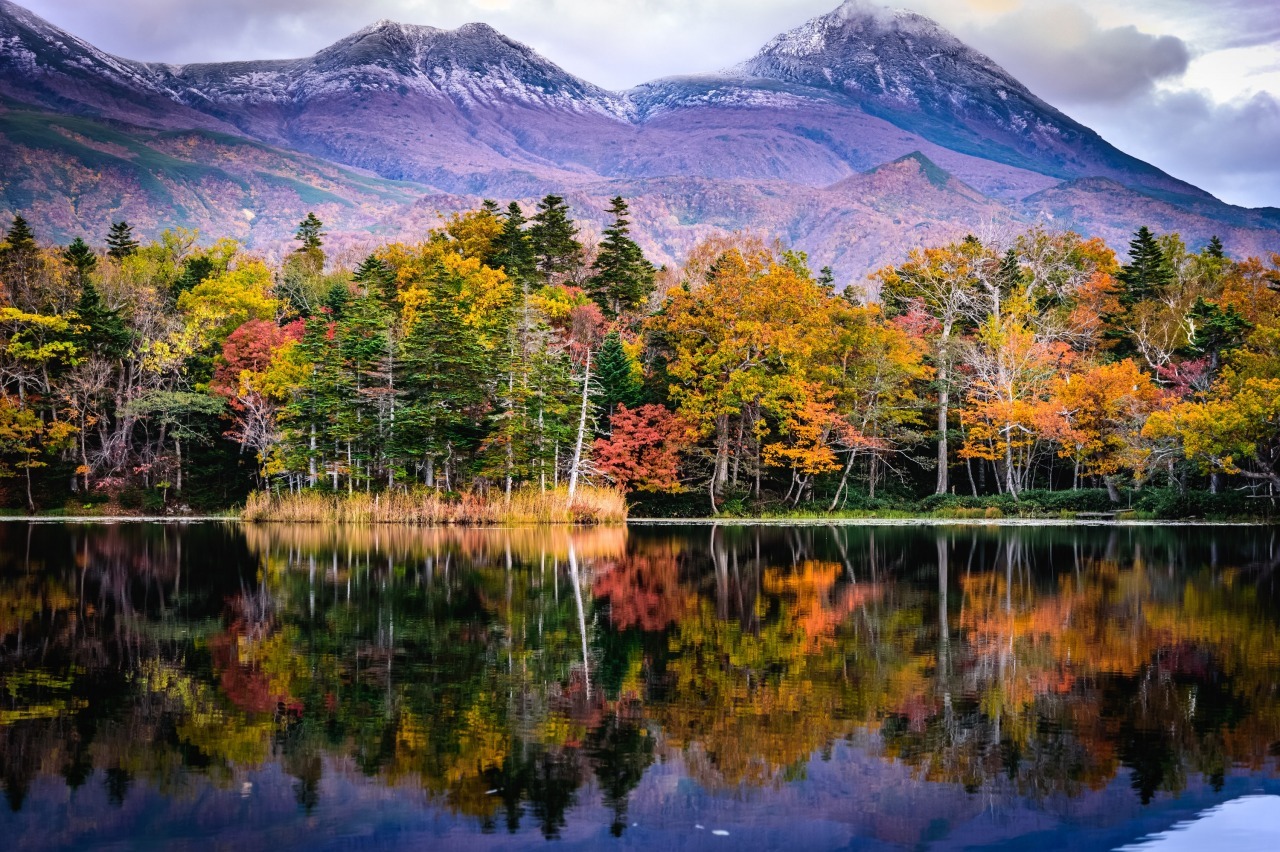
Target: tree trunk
x,y
311,459
177,446
844,481
1011,485
1113,493
720,478
944,409
574,471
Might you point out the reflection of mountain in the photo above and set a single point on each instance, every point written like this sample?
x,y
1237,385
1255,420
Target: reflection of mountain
x,y
865,671
853,136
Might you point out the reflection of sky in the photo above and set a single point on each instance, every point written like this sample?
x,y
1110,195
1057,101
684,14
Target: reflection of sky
x,y
1250,824
856,799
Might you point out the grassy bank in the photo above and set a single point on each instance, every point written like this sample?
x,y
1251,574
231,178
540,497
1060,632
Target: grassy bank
x,y
589,506
1138,505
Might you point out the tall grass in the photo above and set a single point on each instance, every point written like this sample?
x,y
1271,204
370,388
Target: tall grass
x,y
589,506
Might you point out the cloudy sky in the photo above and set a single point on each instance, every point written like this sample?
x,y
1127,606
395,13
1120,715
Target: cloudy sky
x,y
1189,85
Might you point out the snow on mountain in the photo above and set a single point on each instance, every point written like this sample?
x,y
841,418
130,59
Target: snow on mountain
x,y
833,137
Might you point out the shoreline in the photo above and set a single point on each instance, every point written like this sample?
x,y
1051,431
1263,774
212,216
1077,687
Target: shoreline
x,y
670,522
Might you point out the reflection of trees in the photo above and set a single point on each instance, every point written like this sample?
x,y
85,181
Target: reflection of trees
x,y
504,671
1118,663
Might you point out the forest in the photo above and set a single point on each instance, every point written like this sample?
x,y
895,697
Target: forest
x,y
505,358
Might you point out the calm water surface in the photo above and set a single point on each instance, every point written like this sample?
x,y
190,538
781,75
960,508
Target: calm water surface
x,y
213,686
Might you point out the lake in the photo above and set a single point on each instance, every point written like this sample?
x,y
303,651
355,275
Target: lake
x,y
217,686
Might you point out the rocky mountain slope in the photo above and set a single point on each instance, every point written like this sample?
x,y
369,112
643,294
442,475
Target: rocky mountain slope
x,y
833,138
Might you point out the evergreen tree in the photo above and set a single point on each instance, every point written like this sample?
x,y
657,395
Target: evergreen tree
x,y
376,278
616,377
19,265
120,241
19,240
307,261
623,278
827,279
1215,330
310,234
441,387
102,331
1215,249
513,249
81,259
1146,273
554,238
335,301
195,270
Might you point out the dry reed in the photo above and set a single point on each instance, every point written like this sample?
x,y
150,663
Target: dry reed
x,y
589,506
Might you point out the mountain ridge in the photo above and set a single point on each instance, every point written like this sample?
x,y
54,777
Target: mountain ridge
x,y
470,112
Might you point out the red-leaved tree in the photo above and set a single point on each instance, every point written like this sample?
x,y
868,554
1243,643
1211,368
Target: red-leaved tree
x,y
642,452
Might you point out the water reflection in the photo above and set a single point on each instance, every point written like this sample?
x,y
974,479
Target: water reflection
x,y
558,682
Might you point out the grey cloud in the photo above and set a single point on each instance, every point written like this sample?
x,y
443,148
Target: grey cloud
x,y
1063,55
1228,149
1221,24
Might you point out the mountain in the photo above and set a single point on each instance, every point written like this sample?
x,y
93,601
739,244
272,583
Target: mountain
x,y
854,137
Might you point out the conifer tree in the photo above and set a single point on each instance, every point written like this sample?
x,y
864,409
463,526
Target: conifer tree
x,y
19,262
310,234
81,259
1215,330
376,278
335,301
195,270
623,278
616,377
513,249
19,239
1215,249
304,267
120,241
554,238
1146,273
103,332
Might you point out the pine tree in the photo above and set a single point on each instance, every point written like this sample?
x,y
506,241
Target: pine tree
x,y
623,278
335,301
513,249
102,331
441,387
1146,273
81,259
376,278
310,234
616,376
554,238
195,270
1215,249
308,257
827,279
120,241
19,240
1215,330
19,265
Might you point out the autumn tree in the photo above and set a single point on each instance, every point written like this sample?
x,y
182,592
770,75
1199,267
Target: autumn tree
x,y
642,450
932,290
1099,415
